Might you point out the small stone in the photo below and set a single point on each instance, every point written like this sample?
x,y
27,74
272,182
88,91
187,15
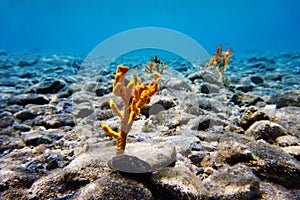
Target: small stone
x,y
289,118
178,84
35,138
236,182
24,99
32,111
245,88
293,150
287,98
183,142
54,121
207,88
179,183
197,156
104,114
6,119
252,115
203,123
246,99
287,140
115,186
207,77
49,86
257,79
275,165
265,130
21,127
83,110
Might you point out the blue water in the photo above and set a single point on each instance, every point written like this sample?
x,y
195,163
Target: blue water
x,y
76,27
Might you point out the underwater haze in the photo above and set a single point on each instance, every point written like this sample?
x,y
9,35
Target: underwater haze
x,y
76,27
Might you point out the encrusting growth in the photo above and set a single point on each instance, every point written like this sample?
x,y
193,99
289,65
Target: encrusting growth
x,y
134,96
219,61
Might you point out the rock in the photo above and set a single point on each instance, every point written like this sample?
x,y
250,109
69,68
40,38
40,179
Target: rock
x,y
273,191
33,111
274,165
178,84
12,180
82,97
196,157
83,110
49,86
289,118
246,99
245,88
161,103
114,186
24,99
64,183
207,88
236,182
257,79
36,138
183,143
287,98
103,90
178,183
21,127
8,143
265,130
229,152
207,77
252,115
6,119
203,123
28,60
165,102
287,140
137,158
293,150
54,121
104,114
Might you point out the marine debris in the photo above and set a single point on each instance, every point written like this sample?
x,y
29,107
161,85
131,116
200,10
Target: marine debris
x,y
134,96
219,61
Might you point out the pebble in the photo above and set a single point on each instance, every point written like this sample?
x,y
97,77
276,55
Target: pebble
x,y
200,137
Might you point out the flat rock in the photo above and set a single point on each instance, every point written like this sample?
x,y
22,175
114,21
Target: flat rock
x,y
137,158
